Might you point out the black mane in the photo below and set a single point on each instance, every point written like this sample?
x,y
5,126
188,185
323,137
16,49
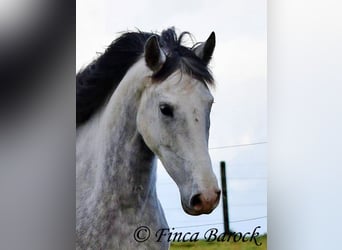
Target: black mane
x,y
100,78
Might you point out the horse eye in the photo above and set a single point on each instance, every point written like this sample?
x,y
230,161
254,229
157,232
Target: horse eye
x,y
166,110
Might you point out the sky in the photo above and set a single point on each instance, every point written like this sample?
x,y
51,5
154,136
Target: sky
x,y
239,114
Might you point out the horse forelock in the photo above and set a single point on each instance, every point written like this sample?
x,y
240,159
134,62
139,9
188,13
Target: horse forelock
x,y
180,57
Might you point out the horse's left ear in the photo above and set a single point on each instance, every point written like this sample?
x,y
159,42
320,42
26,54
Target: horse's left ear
x,y
154,55
206,49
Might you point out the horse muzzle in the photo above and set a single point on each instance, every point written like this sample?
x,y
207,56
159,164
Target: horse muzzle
x,y
202,203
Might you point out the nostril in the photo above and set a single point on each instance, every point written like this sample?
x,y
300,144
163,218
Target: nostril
x,y
218,194
196,201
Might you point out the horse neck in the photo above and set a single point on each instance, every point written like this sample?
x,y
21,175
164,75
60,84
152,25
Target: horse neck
x,y
124,160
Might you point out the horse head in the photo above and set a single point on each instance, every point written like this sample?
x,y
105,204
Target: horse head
x,y
174,118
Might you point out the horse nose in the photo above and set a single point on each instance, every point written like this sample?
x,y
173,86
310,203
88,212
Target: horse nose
x,y
204,203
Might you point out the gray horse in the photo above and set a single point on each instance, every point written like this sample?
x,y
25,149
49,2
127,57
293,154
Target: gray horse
x,y
147,95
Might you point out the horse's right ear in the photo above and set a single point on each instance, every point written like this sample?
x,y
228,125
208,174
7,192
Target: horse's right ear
x,y
154,55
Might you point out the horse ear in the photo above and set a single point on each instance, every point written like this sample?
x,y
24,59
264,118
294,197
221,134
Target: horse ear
x,y
154,55
206,49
